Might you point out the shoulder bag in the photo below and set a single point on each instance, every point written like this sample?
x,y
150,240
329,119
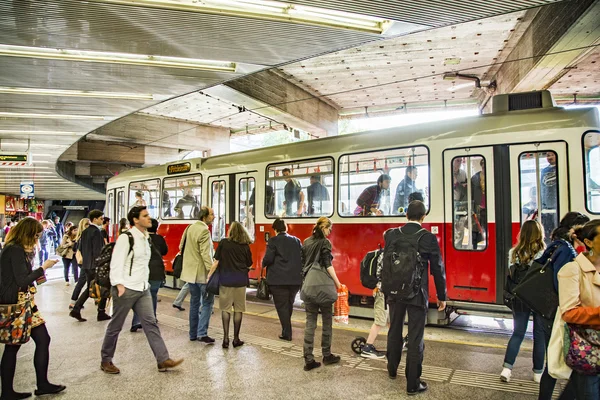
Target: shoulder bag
x,y
583,350
78,255
536,290
178,261
557,367
212,286
318,286
15,322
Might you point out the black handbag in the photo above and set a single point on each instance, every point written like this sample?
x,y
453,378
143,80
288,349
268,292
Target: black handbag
x,y
516,273
212,286
178,261
536,290
263,292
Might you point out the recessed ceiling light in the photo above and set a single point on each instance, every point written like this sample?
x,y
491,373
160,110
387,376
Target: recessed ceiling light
x,y
452,61
83,93
54,116
116,58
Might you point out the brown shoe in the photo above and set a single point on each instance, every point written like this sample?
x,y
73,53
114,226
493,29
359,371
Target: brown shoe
x,y
165,365
109,368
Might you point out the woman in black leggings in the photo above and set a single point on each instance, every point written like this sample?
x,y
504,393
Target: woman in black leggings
x,y
16,284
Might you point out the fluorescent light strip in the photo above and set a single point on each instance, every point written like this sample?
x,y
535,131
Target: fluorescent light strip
x,y
116,58
269,10
83,93
54,116
53,133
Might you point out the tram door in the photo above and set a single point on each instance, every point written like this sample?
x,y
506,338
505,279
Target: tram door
x,y
539,185
245,211
470,224
218,200
110,211
120,210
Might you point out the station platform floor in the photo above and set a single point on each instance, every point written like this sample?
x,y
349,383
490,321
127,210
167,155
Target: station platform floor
x,y
459,364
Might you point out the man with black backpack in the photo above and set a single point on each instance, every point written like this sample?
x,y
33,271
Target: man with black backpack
x,y
404,282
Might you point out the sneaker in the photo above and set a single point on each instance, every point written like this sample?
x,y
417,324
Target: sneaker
x,y
67,284
369,351
505,375
207,340
331,359
537,377
109,368
311,365
165,365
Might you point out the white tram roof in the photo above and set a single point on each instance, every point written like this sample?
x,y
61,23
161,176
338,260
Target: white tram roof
x,y
464,128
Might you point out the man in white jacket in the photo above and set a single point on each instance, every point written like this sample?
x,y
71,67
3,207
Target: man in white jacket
x,y
130,290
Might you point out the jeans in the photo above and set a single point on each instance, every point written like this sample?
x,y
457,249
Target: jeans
x,y
154,286
283,297
71,262
520,321
185,289
80,284
141,303
586,387
312,312
43,254
200,318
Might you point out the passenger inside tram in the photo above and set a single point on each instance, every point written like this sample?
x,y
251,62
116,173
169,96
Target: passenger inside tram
x,y
479,212
470,203
549,194
369,201
294,196
406,186
317,194
187,207
459,186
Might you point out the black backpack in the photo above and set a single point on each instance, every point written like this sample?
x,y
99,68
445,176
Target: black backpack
x,y
102,264
368,269
403,268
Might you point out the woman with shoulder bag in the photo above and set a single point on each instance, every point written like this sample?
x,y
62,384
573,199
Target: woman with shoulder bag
x,y
579,297
67,253
562,251
530,246
84,223
17,278
283,261
316,251
233,259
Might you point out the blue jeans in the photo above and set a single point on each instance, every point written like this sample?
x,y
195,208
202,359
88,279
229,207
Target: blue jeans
x,y
587,387
520,321
185,289
154,286
43,254
199,319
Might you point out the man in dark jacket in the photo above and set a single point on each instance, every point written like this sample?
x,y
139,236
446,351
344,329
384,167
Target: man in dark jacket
x,y
91,246
478,191
406,186
417,306
283,260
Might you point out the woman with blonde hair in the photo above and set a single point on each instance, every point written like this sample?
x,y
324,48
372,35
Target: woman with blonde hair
x,y
84,223
317,248
67,252
234,259
17,278
530,245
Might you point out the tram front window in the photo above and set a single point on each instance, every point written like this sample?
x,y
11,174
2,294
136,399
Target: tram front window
x,y
469,203
539,170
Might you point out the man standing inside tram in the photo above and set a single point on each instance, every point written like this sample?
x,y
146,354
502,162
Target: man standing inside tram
x,y
549,195
293,194
407,186
405,283
459,186
317,194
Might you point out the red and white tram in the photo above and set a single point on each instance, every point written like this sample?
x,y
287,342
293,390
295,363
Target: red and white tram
x,y
527,152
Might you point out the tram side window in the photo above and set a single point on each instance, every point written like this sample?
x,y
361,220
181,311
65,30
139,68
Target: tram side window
x,y
110,209
120,207
383,182
219,206
539,170
591,148
182,197
299,189
469,203
246,210
145,193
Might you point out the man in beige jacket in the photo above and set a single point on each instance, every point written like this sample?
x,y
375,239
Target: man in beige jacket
x,y
197,260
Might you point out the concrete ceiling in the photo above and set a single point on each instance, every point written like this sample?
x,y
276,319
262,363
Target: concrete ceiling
x,y
49,124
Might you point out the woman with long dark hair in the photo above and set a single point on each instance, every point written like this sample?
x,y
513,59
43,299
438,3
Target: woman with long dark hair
x,y
579,297
17,278
562,251
283,261
317,248
530,245
234,259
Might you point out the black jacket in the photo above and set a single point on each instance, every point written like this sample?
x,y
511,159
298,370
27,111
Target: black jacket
x,y
430,252
157,265
235,260
16,273
311,246
283,260
91,246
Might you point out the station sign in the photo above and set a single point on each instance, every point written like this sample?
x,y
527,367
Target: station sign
x,y
180,168
27,190
13,160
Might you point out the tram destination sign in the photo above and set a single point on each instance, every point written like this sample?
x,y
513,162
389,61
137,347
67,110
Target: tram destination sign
x,y
180,168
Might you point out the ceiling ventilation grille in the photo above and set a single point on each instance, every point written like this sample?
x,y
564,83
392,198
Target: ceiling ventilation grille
x,y
524,101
